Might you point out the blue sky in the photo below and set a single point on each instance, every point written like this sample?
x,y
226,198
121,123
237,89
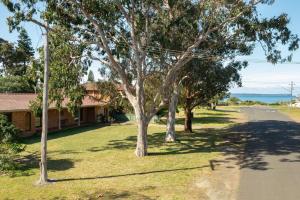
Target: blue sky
x,y
259,77
268,78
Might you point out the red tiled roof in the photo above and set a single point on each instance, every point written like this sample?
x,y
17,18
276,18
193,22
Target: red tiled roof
x,y
21,101
90,86
93,87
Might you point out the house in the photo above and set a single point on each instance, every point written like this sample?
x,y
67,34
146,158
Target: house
x,y
92,90
17,109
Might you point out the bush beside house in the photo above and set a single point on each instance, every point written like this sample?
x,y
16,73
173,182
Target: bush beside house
x,y
9,146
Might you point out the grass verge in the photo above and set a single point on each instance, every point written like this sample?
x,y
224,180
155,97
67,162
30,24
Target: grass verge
x,y
293,113
99,163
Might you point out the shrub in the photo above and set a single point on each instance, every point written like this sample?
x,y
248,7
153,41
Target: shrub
x,y
233,101
9,146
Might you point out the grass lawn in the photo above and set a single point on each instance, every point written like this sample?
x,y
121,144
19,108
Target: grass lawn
x,y
293,113
99,162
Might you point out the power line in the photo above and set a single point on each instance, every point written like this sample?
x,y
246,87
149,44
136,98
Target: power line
x,y
265,61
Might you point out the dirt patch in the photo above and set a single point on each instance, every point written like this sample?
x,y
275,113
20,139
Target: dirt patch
x,y
222,181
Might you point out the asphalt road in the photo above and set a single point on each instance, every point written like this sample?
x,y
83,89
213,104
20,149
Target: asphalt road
x,y
270,169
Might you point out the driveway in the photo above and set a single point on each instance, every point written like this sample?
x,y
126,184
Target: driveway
x,y
270,168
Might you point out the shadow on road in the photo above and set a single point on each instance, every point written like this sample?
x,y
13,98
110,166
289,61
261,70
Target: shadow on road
x,y
268,138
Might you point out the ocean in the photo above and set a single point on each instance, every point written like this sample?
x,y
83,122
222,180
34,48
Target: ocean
x,y
266,98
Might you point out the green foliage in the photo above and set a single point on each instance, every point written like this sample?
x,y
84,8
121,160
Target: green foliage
x,y
91,77
162,112
67,69
75,96
206,80
15,84
24,47
251,103
233,101
36,106
9,146
24,52
112,94
7,56
14,59
15,63
140,42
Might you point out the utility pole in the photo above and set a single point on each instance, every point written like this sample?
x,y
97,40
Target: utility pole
x,y
292,84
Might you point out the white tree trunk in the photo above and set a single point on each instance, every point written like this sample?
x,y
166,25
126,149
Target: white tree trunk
x,y
142,120
171,133
43,163
141,145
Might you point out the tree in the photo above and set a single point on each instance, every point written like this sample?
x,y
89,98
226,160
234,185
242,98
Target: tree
x,y
14,60
171,118
7,57
113,95
204,82
91,77
215,100
15,84
226,44
233,101
134,39
16,68
24,52
67,70
26,11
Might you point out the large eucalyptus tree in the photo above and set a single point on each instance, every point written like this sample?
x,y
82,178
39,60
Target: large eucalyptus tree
x,y
226,46
137,40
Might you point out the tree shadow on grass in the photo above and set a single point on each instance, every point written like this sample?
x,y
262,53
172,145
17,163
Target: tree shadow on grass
x,y
111,194
27,163
124,195
226,111
251,144
131,174
208,120
212,114
202,140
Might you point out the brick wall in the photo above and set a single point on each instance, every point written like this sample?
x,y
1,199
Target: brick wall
x,y
24,121
53,119
67,118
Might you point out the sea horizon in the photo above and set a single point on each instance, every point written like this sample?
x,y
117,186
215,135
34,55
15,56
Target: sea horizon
x,y
265,98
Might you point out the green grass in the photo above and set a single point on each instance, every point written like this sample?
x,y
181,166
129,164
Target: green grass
x,y
293,113
204,118
99,162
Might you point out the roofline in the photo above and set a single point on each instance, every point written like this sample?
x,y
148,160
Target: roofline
x,y
23,110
